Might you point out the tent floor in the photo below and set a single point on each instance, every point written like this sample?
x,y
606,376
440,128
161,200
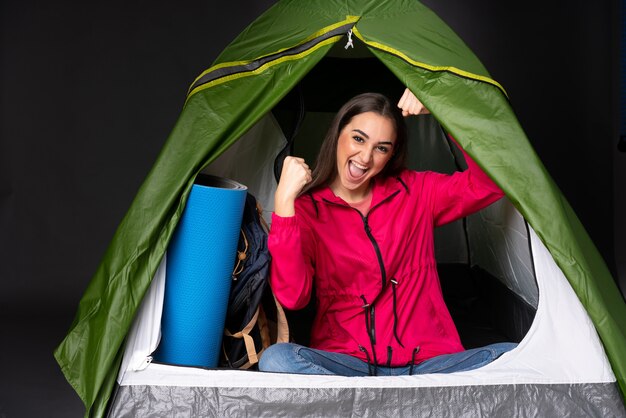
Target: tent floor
x,y
520,400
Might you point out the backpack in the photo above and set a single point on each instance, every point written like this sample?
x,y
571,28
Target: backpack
x,y
254,319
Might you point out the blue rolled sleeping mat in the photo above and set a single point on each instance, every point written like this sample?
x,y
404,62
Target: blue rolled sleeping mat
x,y
199,267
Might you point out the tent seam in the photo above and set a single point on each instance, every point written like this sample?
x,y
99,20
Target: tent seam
x,y
433,68
262,68
349,19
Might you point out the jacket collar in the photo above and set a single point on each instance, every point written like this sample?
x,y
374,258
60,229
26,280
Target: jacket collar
x,y
381,189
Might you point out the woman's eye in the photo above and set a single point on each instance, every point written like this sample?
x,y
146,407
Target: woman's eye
x,y
358,138
382,149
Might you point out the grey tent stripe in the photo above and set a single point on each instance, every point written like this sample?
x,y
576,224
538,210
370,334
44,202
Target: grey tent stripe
x,y
226,71
520,400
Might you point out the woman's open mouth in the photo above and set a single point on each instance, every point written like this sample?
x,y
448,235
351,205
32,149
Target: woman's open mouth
x,y
356,170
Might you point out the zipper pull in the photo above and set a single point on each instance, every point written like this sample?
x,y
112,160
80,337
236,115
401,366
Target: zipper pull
x,y
350,44
146,362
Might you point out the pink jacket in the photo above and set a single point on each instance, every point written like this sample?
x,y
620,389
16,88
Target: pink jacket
x,y
378,292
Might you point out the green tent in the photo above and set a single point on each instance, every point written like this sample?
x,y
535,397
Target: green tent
x,y
250,78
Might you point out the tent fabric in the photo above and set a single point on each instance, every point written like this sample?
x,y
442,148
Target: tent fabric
x,y
427,57
580,382
486,128
262,142
561,330
527,400
507,256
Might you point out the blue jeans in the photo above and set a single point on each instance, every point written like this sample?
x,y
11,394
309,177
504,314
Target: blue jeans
x,y
294,358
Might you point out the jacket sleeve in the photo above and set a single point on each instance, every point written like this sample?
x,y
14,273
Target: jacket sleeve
x,y
292,247
462,193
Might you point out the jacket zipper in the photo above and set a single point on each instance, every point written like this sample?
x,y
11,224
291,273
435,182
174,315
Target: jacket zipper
x,y
368,232
379,256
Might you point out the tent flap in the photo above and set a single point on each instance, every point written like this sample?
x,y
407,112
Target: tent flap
x,y
208,125
479,116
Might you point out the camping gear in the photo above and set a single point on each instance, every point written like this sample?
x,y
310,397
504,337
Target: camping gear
x,y
531,246
199,271
247,330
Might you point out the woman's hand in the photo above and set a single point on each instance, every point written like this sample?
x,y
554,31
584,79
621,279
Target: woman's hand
x,y
410,105
294,176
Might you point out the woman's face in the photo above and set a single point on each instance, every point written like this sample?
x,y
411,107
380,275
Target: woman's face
x,y
364,147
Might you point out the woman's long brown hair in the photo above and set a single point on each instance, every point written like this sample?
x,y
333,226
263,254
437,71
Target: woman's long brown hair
x,y
325,170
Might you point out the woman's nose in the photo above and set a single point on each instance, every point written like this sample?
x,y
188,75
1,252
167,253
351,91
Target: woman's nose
x,y
366,154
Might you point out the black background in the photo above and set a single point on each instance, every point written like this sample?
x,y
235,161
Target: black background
x,y
90,92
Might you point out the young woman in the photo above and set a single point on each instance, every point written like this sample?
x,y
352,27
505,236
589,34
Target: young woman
x,y
360,226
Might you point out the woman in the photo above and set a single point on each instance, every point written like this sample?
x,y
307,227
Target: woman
x,y
361,227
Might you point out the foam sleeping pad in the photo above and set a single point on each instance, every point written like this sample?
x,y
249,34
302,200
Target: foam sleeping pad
x,y
200,260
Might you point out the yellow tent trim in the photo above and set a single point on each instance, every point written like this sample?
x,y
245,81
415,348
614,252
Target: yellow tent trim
x,y
429,67
349,19
264,67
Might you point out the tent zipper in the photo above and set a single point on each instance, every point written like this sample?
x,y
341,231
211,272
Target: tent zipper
x,y
227,70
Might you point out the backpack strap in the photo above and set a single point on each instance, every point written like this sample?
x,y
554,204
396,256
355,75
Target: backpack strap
x,y
282,334
264,329
269,334
281,331
247,339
